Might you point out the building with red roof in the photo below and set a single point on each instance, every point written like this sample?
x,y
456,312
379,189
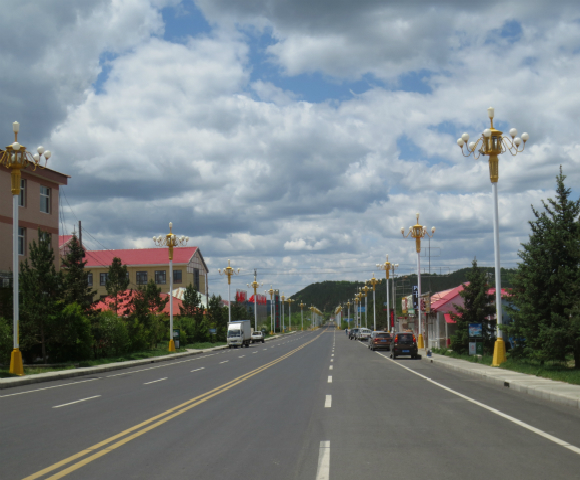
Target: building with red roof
x,y
144,264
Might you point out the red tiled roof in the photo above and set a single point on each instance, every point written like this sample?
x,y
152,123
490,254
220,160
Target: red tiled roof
x,y
63,240
448,318
139,256
445,296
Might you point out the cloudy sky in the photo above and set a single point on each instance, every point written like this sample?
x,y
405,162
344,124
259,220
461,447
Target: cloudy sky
x,y
297,136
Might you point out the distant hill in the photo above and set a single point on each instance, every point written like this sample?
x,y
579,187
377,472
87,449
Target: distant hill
x,y
328,294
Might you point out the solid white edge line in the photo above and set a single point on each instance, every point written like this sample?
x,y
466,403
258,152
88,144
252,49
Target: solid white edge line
x,y
197,370
46,388
328,401
495,411
78,401
323,470
155,381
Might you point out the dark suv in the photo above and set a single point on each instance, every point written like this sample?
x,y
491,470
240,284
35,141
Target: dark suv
x,y
404,343
352,333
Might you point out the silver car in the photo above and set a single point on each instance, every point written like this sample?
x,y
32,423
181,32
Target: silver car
x,y
363,334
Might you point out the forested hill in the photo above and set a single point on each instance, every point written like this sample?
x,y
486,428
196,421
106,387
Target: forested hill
x,y
328,294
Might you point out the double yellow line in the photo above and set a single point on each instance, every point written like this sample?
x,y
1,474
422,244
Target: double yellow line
x,y
112,443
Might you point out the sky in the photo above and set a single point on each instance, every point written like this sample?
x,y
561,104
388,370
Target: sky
x,y
295,137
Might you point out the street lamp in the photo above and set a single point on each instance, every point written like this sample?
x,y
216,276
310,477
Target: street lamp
x,y
373,281
271,292
348,321
393,268
170,240
16,158
493,143
255,286
302,305
229,271
418,231
356,300
387,268
290,301
282,299
366,294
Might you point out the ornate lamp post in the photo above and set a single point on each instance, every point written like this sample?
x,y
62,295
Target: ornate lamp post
x,y
373,281
418,231
387,268
493,143
282,300
229,271
302,305
255,286
348,321
356,300
366,294
271,292
16,158
393,268
290,301
170,240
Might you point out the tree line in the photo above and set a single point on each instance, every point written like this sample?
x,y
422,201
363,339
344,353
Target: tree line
x,y
59,321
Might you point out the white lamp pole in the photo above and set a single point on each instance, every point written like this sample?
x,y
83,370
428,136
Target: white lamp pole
x,y
229,271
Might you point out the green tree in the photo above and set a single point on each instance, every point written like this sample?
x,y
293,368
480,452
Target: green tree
x,y
545,286
110,335
71,335
41,293
76,279
5,340
190,303
477,308
217,316
117,281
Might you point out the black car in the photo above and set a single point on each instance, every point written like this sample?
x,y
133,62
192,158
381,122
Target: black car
x,y
404,343
352,333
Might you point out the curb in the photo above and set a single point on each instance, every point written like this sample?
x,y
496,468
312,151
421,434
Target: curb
x,y
545,388
109,367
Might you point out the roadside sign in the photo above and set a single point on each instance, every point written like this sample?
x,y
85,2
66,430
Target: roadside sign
x,y
472,348
415,297
475,330
385,304
176,337
212,330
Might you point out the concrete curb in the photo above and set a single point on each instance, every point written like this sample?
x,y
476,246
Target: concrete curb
x,y
109,367
554,391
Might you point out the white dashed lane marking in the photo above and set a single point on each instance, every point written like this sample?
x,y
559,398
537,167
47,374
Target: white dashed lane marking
x,y
78,401
328,402
330,379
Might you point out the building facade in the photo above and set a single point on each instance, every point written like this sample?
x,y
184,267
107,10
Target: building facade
x,y
144,264
38,208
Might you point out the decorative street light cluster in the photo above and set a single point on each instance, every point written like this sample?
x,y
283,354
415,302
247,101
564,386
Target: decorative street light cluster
x,y
16,158
373,282
388,267
255,286
170,240
493,143
418,232
302,305
229,271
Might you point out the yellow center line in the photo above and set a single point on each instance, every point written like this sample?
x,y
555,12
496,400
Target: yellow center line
x,y
151,423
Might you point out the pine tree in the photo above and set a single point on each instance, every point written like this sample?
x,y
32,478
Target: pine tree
x,y
41,295
117,280
545,288
190,303
76,279
218,317
477,308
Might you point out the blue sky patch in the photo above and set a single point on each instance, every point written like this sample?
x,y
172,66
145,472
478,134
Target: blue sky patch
x,y
184,21
105,61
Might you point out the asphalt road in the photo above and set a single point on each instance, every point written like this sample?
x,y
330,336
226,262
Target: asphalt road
x,y
312,405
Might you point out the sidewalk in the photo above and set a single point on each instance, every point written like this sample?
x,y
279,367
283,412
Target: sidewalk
x,y
554,391
109,367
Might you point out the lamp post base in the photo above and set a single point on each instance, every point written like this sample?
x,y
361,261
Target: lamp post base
x,y
420,342
16,366
498,353
171,346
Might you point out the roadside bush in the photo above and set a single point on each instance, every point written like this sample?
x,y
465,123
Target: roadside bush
x,y
6,341
71,335
111,335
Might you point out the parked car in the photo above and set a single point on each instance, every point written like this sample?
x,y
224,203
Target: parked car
x,y
352,333
258,337
404,343
380,340
363,334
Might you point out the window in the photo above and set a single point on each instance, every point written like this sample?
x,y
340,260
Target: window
x,y
22,196
45,236
196,278
160,277
21,240
177,278
90,279
104,277
44,199
141,278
